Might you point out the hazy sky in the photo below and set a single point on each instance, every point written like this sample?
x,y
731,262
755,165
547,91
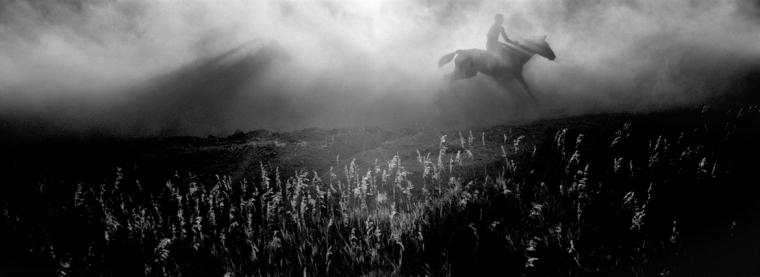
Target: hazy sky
x,y
142,67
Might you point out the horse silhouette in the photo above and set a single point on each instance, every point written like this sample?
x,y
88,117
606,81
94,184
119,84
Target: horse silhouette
x,y
500,66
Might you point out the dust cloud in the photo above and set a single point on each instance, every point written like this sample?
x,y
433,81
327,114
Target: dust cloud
x,y
201,67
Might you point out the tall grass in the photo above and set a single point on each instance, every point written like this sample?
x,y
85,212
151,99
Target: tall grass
x,y
570,204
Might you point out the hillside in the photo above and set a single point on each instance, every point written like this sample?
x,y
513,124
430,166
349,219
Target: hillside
x,y
626,194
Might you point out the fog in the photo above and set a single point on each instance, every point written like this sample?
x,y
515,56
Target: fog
x,y
199,67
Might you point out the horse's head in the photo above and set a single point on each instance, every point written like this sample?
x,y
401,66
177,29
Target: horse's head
x,y
541,47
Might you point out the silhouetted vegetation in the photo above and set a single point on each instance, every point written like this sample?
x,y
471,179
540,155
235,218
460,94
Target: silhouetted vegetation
x,y
646,199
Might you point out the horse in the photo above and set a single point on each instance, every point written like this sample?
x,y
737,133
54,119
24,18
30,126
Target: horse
x,y
500,66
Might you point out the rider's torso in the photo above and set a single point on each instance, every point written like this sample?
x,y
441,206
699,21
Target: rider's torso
x,y
492,38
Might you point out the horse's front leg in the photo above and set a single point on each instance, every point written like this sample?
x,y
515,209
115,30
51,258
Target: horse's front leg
x,y
521,80
524,84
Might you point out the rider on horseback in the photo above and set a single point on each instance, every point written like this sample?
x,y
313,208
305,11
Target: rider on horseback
x,y
500,60
492,39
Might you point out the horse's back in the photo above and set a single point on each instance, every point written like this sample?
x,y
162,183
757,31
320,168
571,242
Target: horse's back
x,y
474,53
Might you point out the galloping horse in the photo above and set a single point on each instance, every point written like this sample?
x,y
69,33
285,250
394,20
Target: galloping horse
x,y
509,64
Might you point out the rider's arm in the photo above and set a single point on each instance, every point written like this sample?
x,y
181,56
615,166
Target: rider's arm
x,y
506,38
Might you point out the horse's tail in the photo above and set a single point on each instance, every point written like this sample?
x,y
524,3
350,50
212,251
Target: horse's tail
x,y
447,58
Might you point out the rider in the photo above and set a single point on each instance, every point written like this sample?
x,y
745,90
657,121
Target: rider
x,y
492,39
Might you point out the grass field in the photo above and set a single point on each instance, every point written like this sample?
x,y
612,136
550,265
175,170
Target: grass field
x,y
664,194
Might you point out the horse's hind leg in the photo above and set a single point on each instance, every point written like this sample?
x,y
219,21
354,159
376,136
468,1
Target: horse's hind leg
x,y
463,68
461,74
469,73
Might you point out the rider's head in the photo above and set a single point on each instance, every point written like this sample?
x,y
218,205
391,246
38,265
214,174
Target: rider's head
x,y
498,19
